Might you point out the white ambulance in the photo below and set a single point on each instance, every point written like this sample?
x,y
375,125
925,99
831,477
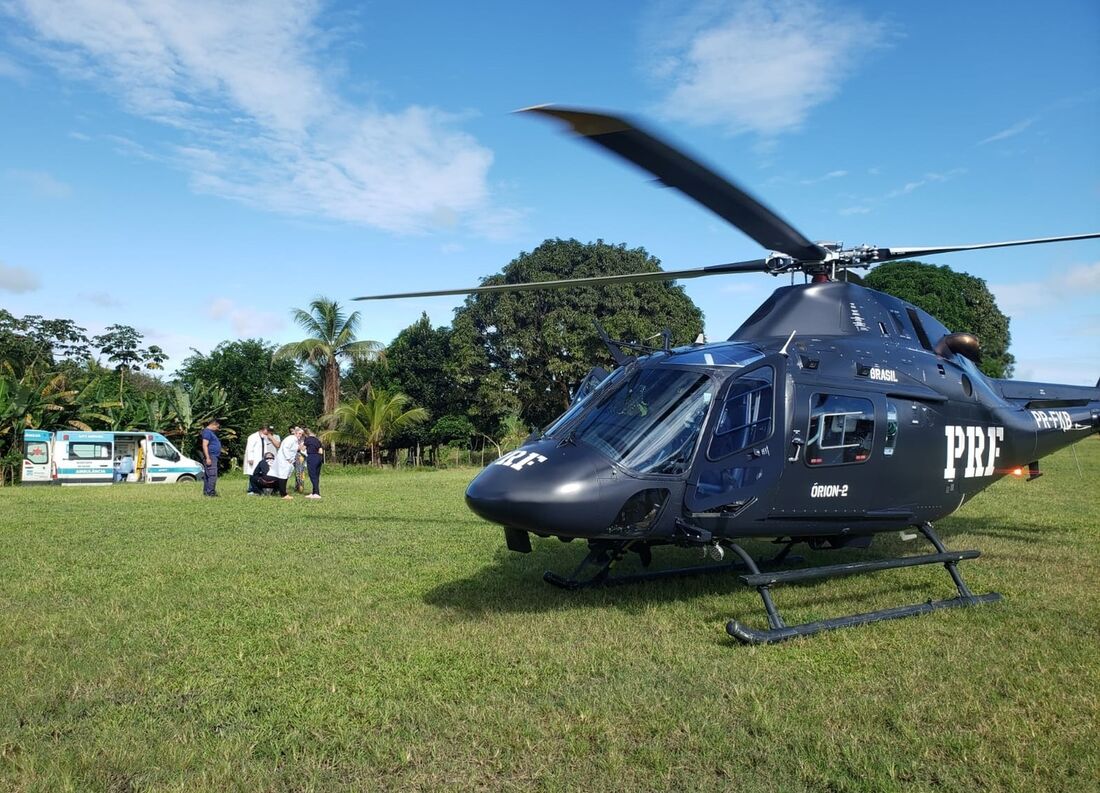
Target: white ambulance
x,y
69,457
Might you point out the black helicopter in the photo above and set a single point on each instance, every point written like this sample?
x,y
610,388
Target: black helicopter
x,y
833,413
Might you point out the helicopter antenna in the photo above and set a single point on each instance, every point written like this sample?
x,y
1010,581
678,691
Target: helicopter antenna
x,y
788,344
612,347
1077,461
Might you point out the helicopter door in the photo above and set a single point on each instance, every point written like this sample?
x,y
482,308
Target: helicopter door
x,y
742,454
842,470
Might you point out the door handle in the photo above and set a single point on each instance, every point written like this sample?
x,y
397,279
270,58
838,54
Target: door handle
x,y
797,443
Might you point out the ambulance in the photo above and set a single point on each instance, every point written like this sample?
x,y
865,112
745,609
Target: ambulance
x,y
69,457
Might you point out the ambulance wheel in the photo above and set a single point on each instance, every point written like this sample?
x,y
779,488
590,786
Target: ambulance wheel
x,y
186,478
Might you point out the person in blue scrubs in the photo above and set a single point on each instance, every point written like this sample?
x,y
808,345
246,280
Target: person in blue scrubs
x,y
211,449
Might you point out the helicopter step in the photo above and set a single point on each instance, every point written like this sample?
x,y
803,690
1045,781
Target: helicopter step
x,y
779,631
602,556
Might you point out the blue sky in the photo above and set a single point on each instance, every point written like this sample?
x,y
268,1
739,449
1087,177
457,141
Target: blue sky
x,y
198,169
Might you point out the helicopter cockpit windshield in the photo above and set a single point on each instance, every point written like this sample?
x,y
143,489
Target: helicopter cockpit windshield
x,y
648,422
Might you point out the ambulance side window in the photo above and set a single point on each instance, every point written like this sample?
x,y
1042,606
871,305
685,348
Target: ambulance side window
x,y
163,451
842,430
89,450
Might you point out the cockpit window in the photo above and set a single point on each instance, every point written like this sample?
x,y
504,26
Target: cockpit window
x,y
650,423
842,430
561,424
746,417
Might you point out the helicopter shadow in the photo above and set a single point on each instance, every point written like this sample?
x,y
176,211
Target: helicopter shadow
x,y
514,583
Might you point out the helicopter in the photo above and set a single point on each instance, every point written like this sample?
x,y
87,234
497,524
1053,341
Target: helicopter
x,y
832,414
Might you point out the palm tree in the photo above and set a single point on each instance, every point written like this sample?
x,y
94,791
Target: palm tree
x,y
39,400
330,343
372,421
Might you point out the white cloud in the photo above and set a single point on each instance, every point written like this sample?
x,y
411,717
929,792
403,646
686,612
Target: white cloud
x,y
12,70
826,177
863,205
101,299
755,65
40,183
1080,282
1012,131
260,119
246,322
928,178
17,279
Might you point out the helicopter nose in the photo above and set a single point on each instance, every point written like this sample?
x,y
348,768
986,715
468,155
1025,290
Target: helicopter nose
x,y
544,488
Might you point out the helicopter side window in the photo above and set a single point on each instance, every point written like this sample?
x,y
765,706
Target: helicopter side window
x,y
746,417
842,430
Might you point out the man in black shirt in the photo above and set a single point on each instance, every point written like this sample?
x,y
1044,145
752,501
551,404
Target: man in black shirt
x,y
315,456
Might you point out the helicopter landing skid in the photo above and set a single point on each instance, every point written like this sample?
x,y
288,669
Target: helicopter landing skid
x,y
779,631
603,556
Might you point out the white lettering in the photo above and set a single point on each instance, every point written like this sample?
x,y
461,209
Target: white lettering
x,y
828,491
519,459
982,447
886,375
996,435
1052,419
956,445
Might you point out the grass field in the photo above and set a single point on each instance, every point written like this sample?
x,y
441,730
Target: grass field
x,y
384,639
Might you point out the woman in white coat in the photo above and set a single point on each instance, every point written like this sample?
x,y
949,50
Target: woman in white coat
x,y
257,447
285,456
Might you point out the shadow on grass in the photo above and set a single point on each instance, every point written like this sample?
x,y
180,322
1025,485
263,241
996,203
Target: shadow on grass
x,y
1023,528
514,583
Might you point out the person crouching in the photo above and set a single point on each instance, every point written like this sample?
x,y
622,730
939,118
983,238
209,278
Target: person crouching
x,y
263,477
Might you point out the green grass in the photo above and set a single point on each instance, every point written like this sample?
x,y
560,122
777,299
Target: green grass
x,y
384,639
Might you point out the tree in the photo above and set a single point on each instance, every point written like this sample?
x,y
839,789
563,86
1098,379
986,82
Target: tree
x,y
331,342
192,408
122,346
416,364
32,341
35,400
960,301
260,388
372,421
526,352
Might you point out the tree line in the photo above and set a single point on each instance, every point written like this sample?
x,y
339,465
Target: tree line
x,y
509,362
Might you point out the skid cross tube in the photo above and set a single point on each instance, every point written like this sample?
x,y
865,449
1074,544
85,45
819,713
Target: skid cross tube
x,y
603,557
779,631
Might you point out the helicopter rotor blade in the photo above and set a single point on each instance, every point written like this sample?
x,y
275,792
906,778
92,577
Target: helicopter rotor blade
x,y
752,266
890,254
675,169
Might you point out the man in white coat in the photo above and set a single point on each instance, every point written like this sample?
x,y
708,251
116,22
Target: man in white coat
x,y
286,455
258,445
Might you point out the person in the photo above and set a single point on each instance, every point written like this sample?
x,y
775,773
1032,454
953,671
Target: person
x,y
256,448
315,456
286,455
125,467
211,450
299,470
263,477
118,465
